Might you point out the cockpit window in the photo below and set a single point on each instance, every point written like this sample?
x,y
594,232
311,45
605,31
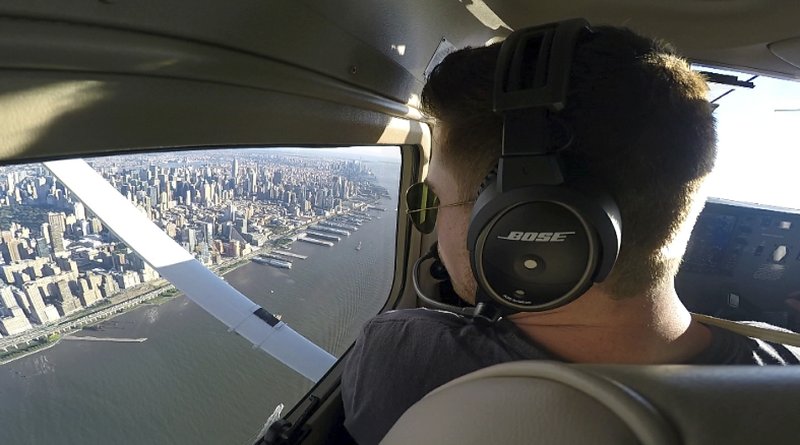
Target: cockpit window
x,y
757,150
96,347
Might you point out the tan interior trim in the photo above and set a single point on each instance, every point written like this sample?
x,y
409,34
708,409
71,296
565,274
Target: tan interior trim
x,y
770,335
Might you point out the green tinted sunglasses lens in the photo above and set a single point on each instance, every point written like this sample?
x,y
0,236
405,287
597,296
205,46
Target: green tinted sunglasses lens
x,y
422,204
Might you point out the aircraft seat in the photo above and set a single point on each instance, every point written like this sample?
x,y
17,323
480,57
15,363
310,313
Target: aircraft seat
x,y
532,402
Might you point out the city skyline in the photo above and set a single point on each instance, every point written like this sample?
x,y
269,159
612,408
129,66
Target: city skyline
x,y
218,205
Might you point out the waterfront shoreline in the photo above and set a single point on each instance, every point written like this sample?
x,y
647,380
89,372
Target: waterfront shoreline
x,y
227,268
30,353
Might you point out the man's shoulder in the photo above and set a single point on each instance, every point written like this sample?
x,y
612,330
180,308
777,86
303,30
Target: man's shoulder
x,y
409,333
418,316
399,357
397,339
733,348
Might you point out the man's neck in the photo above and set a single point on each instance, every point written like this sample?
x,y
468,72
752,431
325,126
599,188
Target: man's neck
x,y
652,328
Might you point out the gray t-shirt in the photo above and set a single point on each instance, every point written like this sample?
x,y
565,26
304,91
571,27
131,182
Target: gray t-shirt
x,y
403,355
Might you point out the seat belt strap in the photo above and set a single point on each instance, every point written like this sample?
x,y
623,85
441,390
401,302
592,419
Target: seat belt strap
x,y
770,335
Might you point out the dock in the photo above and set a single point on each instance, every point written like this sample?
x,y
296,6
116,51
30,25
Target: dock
x,y
316,241
291,254
337,225
105,339
337,231
274,256
325,236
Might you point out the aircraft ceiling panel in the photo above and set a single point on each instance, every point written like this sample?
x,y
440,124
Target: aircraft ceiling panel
x,y
408,32
731,33
349,40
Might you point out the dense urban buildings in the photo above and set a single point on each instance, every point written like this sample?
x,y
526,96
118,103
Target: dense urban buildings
x,y
58,258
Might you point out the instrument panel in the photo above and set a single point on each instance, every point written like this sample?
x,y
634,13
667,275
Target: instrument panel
x,y
742,263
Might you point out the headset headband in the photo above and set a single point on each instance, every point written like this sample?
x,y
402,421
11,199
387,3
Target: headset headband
x,y
531,81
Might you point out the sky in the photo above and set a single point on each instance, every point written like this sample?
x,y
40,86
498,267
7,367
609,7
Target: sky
x,y
759,148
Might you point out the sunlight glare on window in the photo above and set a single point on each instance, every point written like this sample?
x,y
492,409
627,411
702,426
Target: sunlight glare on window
x,y
757,150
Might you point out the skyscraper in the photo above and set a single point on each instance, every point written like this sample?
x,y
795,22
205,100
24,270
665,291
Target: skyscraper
x,y
10,250
231,212
80,211
12,318
42,250
97,225
40,312
45,230
66,302
235,169
189,236
56,231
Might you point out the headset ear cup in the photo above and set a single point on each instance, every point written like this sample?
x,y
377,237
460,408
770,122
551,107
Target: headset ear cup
x,y
539,247
490,178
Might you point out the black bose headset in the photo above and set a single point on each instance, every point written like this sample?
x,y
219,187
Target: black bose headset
x,y
538,240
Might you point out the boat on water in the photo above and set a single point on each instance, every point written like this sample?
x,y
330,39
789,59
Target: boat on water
x,y
358,247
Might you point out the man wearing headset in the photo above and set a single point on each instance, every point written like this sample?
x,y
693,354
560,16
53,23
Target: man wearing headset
x,y
636,125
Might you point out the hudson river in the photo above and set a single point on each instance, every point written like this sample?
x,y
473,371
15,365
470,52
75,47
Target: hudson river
x,y
192,382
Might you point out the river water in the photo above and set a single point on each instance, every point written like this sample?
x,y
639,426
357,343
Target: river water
x,y
192,382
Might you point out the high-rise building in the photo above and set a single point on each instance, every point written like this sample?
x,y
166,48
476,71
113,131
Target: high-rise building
x,y
84,227
7,297
236,248
12,318
231,212
235,169
253,182
189,237
80,211
89,295
11,251
66,302
206,193
40,312
11,180
56,231
128,279
109,286
241,225
45,231
42,249
208,231
97,225
205,253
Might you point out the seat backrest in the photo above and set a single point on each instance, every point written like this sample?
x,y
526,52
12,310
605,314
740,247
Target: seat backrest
x,y
535,402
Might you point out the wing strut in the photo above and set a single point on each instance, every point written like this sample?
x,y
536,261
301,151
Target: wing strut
x,y
202,286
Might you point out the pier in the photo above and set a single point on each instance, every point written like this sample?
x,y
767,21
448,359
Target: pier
x,y
331,230
274,256
349,220
316,241
336,225
325,236
290,254
106,339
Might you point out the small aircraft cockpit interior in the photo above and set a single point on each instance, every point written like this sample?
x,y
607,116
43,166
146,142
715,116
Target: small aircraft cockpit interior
x,y
204,204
